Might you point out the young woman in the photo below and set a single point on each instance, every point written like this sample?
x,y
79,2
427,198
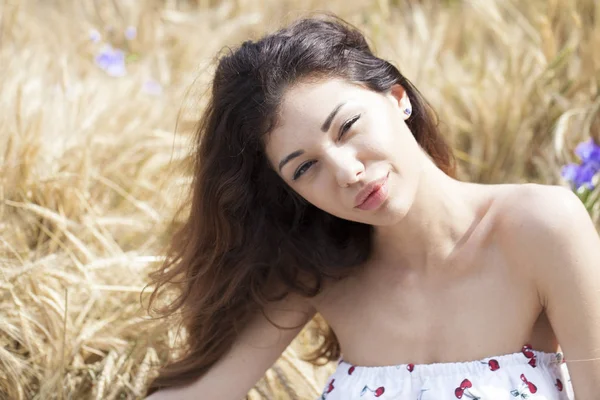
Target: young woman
x,y
322,185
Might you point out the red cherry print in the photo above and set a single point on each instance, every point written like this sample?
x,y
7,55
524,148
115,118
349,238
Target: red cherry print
x,y
331,387
351,370
458,392
559,385
410,367
377,392
494,366
533,362
530,385
527,351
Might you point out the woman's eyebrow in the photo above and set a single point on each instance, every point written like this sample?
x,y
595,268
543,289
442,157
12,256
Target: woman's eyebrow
x,y
327,122
290,157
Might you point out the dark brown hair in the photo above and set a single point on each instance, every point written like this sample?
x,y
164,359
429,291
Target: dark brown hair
x,y
247,230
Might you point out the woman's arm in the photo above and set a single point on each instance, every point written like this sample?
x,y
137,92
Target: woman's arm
x,y
562,251
253,353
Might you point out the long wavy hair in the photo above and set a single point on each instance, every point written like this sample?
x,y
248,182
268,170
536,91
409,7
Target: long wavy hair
x,y
248,231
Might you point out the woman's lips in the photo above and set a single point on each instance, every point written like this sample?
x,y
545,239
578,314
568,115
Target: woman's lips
x,y
373,195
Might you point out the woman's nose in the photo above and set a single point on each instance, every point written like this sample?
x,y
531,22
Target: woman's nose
x,y
348,169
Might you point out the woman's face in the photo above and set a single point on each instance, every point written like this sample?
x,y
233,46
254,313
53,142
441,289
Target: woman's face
x,y
336,141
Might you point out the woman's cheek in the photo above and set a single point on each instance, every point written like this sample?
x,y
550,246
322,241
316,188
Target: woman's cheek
x,y
382,137
320,195
378,145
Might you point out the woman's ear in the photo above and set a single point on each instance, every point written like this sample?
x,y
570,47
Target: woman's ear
x,y
402,100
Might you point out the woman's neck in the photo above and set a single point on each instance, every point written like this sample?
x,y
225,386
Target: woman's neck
x,y
443,215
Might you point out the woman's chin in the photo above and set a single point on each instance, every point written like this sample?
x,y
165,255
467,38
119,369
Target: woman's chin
x,y
391,212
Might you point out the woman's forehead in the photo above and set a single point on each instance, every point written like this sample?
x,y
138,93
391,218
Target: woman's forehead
x,y
308,103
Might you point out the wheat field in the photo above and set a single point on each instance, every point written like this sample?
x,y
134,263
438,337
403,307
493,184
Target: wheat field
x,y
99,100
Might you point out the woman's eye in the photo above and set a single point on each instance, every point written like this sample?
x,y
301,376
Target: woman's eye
x,y
302,169
343,129
347,125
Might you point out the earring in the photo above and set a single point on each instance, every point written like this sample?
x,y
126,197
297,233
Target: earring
x,y
407,111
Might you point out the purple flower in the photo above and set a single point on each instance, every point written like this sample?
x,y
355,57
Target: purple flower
x,y
570,171
130,32
581,175
588,151
112,61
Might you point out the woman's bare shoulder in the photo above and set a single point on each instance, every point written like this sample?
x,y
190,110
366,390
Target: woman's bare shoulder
x,y
549,236
530,218
529,207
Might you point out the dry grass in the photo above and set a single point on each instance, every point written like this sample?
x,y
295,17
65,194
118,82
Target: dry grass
x,y
92,166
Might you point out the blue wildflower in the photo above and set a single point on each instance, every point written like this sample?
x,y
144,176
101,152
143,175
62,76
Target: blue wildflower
x,y
587,172
112,61
570,171
588,151
130,32
583,174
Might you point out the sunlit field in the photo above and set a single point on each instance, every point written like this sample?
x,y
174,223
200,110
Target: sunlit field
x,y
98,103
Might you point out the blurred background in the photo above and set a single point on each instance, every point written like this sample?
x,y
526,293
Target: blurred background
x,y
98,102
